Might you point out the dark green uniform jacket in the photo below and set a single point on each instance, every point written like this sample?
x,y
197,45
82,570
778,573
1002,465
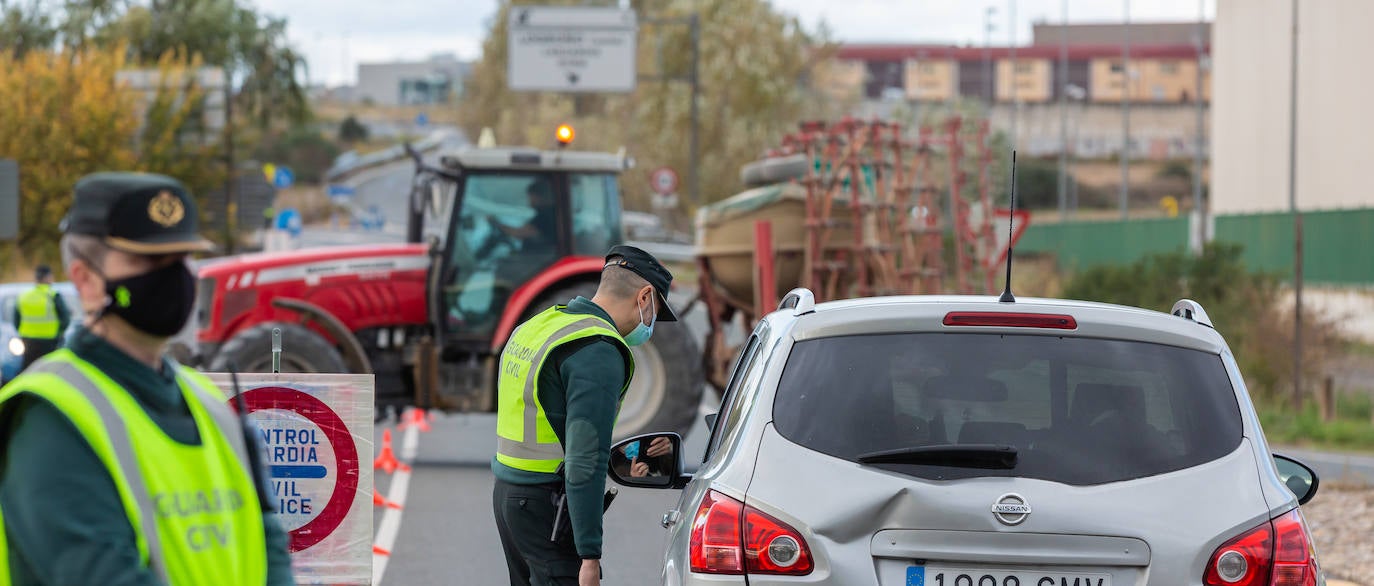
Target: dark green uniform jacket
x,y
63,517
579,388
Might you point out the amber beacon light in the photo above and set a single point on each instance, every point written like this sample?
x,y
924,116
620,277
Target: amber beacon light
x,y
564,134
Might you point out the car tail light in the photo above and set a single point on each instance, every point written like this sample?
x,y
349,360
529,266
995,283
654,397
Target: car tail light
x,y
1280,548
730,538
1294,561
1011,320
716,547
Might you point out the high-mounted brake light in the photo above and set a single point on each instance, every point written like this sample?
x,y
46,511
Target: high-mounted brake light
x,y
564,134
1010,320
731,538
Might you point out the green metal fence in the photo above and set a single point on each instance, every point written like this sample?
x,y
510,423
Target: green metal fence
x,y
1079,245
1338,244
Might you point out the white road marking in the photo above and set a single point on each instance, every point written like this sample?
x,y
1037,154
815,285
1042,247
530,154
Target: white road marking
x,y
391,519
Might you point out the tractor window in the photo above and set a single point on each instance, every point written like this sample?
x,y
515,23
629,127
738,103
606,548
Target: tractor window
x,y
506,233
596,213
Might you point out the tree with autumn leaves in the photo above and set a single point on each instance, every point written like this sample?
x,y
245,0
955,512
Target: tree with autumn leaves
x,y
64,111
756,68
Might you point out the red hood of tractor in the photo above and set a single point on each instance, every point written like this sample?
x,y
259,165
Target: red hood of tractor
x,y
364,286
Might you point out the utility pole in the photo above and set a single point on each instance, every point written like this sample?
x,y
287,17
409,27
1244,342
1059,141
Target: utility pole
x,y
230,179
1293,209
1199,143
1062,86
1126,114
694,149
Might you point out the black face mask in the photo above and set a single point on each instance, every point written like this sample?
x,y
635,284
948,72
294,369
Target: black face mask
x,y
157,302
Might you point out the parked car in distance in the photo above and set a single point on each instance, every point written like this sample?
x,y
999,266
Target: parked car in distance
x,y
962,441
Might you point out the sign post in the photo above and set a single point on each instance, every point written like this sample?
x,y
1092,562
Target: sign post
x,y
571,49
9,199
313,431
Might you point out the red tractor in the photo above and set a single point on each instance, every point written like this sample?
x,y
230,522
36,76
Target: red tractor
x,y
494,235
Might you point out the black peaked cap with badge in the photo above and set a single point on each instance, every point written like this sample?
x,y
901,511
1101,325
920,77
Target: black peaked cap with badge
x,y
138,213
647,267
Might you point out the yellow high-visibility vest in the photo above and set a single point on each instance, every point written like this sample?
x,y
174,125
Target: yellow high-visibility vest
x,y
194,509
525,440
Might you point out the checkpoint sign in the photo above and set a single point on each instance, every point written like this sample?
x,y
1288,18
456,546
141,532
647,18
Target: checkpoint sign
x,y
312,429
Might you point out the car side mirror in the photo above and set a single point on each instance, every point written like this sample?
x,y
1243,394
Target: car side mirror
x,y
652,460
1301,480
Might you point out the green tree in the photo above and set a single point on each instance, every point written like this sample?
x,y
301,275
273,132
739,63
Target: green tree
x,y
25,27
64,117
351,131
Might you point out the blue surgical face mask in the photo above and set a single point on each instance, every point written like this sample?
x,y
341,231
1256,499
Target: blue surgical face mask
x,y
641,333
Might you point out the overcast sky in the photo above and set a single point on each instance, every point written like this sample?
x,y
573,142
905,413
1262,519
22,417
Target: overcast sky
x,y
336,35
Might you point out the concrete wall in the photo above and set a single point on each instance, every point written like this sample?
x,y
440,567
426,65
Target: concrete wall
x,y
1335,128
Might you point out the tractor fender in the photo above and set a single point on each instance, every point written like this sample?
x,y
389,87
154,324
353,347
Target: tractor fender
x,y
567,269
353,353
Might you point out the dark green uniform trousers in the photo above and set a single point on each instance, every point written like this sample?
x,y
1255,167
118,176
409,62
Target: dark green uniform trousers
x,y
524,518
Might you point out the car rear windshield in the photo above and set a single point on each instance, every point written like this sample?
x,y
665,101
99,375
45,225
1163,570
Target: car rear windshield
x,y
1076,410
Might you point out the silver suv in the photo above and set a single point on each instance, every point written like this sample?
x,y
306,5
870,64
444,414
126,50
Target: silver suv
x,y
962,441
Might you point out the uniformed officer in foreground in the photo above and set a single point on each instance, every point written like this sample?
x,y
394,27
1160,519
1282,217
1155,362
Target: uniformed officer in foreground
x,y
41,317
117,465
563,375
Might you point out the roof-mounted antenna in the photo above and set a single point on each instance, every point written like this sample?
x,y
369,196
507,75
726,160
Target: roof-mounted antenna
x,y
1007,297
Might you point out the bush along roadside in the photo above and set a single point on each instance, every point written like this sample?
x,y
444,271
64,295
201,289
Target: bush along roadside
x,y
1244,306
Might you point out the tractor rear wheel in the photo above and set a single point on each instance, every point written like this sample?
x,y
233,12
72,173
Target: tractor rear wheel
x,y
665,393
303,350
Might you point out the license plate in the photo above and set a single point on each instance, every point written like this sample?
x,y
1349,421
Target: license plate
x,y
947,576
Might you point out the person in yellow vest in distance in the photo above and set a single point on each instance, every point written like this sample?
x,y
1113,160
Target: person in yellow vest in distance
x,y
563,376
117,465
41,317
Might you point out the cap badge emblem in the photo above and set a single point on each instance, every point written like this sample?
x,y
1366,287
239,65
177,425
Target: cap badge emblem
x,y
166,209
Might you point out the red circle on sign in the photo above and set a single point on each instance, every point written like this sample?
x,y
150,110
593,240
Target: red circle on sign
x,y
345,457
663,180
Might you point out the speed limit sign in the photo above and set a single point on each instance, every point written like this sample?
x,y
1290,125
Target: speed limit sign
x,y
663,180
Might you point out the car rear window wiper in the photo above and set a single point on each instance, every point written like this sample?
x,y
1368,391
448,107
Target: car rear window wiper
x,y
990,456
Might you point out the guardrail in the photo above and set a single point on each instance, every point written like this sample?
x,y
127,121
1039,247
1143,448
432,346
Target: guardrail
x,y
346,166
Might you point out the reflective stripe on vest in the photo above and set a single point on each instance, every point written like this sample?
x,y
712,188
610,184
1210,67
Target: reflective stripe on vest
x,y
4,554
166,487
525,439
38,314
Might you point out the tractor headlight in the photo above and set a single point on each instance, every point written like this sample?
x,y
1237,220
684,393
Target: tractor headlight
x,y
16,346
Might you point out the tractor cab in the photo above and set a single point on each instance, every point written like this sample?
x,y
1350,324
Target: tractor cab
x,y
500,217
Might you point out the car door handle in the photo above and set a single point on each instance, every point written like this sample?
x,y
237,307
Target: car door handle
x,y
670,518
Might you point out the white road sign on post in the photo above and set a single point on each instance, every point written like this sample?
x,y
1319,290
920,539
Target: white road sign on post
x,y
571,49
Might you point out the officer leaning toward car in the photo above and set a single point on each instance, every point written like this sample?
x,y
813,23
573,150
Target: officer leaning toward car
x,y
564,373
117,465
41,317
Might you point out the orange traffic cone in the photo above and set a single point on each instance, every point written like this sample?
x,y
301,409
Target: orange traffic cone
x,y
386,459
380,501
377,550
415,417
